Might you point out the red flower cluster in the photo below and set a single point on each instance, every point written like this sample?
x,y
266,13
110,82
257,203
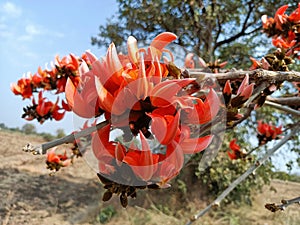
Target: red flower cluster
x,y
45,109
56,161
235,151
267,132
48,80
138,94
284,29
53,79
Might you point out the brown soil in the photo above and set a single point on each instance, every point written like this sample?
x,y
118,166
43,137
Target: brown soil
x,y
28,195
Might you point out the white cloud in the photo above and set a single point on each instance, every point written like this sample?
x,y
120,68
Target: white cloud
x,y
10,9
31,29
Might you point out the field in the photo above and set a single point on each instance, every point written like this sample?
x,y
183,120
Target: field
x,y
73,196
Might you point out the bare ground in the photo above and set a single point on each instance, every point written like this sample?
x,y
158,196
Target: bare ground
x,y
28,195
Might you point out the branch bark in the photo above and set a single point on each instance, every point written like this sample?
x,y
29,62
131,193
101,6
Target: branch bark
x,y
254,75
289,101
42,149
283,108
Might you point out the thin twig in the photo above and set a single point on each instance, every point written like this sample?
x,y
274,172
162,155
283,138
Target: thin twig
x,y
42,149
293,101
258,163
285,203
283,108
252,150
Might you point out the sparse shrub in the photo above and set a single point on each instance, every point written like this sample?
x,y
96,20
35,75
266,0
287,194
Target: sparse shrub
x,y
106,214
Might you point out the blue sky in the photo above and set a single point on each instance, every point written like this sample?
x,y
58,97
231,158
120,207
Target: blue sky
x,y
32,33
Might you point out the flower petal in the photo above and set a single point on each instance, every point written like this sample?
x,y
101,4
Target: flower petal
x,y
165,128
106,100
164,91
76,102
132,49
194,145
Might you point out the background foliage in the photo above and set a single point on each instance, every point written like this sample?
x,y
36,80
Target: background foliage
x,y
229,30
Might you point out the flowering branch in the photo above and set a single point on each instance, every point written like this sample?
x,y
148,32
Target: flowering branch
x,y
42,149
257,75
285,203
257,164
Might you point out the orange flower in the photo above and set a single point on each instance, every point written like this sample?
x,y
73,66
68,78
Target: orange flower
x,y
82,99
136,94
243,93
203,112
280,18
295,15
235,151
267,132
43,110
23,87
143,162
56,161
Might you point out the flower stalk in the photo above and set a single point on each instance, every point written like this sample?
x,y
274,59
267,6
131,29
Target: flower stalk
x,y
42,149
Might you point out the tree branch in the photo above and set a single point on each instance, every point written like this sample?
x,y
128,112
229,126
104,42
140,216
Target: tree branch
x,y
258,163
289,101
42,149
285,203
254,75
242,31
283,108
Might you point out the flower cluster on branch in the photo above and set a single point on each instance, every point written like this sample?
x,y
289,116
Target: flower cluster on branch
x,y
164,113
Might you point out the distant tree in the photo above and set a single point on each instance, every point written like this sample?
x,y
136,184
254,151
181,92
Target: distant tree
x,y
29,128
60,133
2,126
212,29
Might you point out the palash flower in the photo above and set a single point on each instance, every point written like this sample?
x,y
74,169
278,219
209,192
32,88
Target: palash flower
x,y
284,29
235,151
56,161
49,79
279,19
267,132
44,109
136,93
243,93
23,88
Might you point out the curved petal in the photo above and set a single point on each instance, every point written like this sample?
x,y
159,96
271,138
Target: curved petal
x,y
113,62
105,98
76,102
164,91
165,128
234,146
132,49
121,103
103,149
243,85
204,112
189,61
194,145
91,56
162,40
